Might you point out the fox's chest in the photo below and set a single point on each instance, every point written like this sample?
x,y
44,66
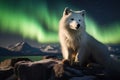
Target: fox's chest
x,y
73,43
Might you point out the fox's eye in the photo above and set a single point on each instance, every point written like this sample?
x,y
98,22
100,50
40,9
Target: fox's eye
x,y
79,20
72,19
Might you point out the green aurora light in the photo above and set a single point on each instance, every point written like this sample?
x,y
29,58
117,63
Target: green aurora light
x,y
108,34
32,27
17,22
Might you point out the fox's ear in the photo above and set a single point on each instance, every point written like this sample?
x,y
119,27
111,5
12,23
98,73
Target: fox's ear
x,y
83,12
67,11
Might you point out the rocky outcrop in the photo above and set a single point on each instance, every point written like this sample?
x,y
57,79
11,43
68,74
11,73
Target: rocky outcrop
x,y
52,69
39,70
55,69
7,68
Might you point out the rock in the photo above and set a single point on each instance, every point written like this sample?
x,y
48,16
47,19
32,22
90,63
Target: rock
x,y
38,70
15,60
55,69
51,68
7,68
11,62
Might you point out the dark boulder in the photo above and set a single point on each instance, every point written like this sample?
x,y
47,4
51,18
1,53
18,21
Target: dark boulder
x,y
38,70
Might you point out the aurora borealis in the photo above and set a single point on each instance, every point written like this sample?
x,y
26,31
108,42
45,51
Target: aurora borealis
x,y
107,35
38,21
17,22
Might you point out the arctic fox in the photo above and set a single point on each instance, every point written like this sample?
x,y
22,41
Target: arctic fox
x,y
78,46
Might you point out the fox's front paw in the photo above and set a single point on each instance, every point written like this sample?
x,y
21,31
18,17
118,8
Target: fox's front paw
x,y
66,61
69,62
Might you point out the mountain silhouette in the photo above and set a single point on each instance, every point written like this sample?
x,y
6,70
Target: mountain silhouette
x,y
21,46
24,49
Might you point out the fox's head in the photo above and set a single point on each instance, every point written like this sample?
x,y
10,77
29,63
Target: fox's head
x,y
73,20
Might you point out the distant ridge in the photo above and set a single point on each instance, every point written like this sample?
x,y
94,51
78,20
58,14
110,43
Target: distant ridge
x,y
22,49
21,46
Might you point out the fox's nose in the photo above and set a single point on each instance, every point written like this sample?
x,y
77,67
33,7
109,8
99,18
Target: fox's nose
x,y
78,25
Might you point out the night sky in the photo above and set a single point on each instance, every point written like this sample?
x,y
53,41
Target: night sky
x,y
36,21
